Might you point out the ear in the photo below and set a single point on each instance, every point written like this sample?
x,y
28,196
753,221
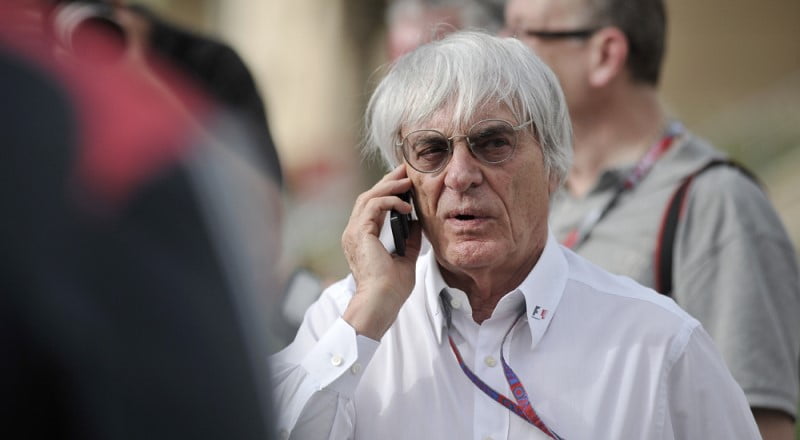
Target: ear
x,y
609,55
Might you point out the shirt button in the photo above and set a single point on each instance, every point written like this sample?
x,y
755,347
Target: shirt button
x,y
336,360
490,361
356,368
488,437
455,303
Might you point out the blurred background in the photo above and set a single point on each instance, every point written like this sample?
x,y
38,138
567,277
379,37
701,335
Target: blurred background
x,y
732,74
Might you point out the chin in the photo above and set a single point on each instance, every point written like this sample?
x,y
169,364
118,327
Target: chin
x,y
474,254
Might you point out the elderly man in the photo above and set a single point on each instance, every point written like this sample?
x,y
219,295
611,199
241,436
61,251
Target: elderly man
x,y
730,263
486,327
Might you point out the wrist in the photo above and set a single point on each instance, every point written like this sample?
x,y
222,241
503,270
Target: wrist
x,y
372,313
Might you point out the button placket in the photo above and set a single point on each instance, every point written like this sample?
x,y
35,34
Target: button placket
x,y
492,416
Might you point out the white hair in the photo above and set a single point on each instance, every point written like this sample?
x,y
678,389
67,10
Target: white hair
x,y
462,73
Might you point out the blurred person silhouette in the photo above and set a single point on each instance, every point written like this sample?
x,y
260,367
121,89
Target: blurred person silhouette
x,y
137,251
411,23
212,65
648,199
208,64
218,70
479,324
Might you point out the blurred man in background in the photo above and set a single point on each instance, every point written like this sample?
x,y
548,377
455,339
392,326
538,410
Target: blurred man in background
x,y
135,270
414,22
732,265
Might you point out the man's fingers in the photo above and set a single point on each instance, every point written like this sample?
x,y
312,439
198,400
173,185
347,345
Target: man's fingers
x,y
370,217
385,187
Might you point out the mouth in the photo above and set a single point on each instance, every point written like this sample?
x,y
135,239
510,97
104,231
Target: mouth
x,y
466,222
466,217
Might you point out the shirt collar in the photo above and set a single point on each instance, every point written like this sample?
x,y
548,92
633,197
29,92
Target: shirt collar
x,y
542,290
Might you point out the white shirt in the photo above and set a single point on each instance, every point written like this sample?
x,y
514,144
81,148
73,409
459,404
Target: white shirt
x,y
600,356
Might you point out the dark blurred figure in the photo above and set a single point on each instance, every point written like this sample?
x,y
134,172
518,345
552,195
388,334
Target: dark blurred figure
x,y
137,250
208,64
214,67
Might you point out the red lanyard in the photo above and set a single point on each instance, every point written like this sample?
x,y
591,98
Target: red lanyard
x,y
578,235
522,407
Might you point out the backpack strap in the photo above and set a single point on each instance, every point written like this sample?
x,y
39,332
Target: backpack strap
x,y
669,223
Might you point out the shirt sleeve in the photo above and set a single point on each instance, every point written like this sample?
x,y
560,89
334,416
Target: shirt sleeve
x,y
315,377
703,400
736,272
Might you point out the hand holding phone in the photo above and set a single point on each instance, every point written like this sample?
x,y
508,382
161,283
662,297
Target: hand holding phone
x,y
400,226
384,280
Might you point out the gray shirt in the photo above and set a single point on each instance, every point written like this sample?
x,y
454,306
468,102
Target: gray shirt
x,y
734,265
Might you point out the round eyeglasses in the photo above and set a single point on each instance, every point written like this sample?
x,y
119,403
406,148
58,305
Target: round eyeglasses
x,y
491,141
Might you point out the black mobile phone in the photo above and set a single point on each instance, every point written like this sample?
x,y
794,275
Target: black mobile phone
x,y
400,226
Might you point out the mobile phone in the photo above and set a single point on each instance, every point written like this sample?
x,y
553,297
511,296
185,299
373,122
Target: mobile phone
x,y
400,226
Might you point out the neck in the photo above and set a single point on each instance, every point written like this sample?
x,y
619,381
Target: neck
x,y
485,287
618,130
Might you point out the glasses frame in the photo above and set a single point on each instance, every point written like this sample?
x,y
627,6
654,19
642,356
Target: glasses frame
x,y
579,34
451,148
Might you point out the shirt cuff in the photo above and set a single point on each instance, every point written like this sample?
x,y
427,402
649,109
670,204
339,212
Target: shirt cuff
x,y
338,359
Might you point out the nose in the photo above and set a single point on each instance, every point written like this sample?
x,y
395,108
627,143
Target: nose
x,y
463,171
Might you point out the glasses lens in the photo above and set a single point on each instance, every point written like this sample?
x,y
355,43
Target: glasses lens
x,y
492,141
426,150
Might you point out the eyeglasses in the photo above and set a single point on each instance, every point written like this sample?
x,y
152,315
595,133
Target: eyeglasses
x,y
491,141
580,34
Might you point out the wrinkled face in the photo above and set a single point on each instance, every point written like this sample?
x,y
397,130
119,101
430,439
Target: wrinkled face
x,y
483,216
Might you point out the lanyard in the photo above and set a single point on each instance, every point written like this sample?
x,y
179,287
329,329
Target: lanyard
x,y
578,235
522,407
